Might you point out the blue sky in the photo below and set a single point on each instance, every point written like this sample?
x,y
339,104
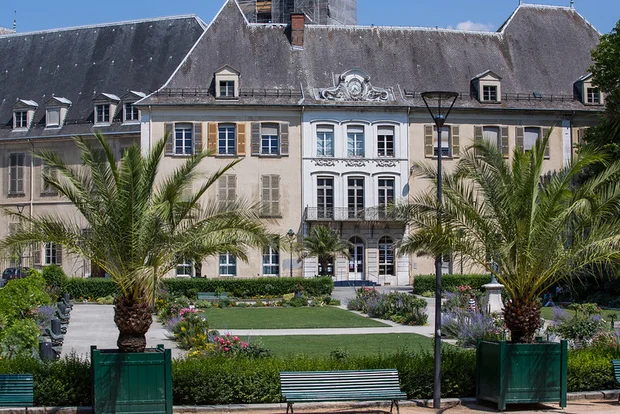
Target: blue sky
x,y
467,14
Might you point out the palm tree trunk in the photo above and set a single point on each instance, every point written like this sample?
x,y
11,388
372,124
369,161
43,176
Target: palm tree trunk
x,y
522,318
323,263
133,320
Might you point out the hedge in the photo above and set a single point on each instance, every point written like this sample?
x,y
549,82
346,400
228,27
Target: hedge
x,y
221,380
239,287
426,283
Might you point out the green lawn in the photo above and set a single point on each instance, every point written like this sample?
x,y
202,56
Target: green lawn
x,y
322,345
547,313
286,318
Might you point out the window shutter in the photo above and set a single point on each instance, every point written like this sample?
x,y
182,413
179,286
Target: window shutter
x,y
477,138
255,138
197,137
241,139
168,133
545,132
284,139
232,187
212,137
37,254
265,181
456,145
519,138
504,141
59,254
428,141
580,135
275,195
222,188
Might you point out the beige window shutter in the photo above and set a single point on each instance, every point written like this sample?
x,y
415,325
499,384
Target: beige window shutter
x,y
284,142
37,254
58,254
456,144
545,132
197,137
212,137
169,136
428,141
275,194
478,137
519,132
504,141
232,187
265,195
241,138
255,139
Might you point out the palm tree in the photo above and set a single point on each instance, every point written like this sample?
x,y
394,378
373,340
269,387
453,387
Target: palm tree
x,y
530,230
139,223
324,244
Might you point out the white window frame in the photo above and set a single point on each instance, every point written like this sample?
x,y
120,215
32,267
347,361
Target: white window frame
x,y
20,119
593,95
103,113
354,208
227,88
227,135
356,141
269,143
383,200
488,91
383,139
271,261
324,136
226,263
50,254
487,128
48,123
16,173
185,268
130,112
384,253
446,152
325,209
525,134
46,189
183,145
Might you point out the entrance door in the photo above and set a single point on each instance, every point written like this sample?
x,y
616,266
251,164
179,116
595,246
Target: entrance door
x,y
356,262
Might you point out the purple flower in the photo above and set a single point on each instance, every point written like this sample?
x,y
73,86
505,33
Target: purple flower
x,y
172,322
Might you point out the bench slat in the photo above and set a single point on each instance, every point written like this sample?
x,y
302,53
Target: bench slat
x,y
16,390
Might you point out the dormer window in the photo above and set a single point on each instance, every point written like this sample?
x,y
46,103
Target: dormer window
x,y
52,117
131,113
23,113
102,114
593,96
226,83
56,111
588,93
105,108
487,87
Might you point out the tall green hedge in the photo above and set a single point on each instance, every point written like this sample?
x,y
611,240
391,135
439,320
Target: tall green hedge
x,y
221,380
425,283
239,287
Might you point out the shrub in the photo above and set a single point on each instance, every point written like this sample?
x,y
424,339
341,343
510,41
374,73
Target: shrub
x,y
91,288
580,329
21,297
191,330
398,307
450,283
55,278
20,339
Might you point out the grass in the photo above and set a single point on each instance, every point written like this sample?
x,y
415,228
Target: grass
x,y
547,313
322,345
287,318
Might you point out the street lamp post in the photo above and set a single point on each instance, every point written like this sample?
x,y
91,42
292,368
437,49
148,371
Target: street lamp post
x,y
291,235
20,210
439,105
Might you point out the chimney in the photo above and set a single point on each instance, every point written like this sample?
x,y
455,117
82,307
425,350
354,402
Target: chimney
x,y
298,23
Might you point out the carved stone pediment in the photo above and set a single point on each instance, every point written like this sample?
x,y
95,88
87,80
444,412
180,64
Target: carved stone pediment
x,y
354,85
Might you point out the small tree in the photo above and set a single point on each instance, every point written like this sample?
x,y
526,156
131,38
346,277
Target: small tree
x,y
324,244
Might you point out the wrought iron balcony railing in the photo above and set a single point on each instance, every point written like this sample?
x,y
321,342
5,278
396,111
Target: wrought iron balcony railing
x,y
381,213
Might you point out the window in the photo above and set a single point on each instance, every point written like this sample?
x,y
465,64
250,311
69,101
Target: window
x,y
386,195
386,256
46,188
228,265
20,119
325,197
270,195
355,141
51,254
16,174
385,141
325,141
531,134
102,113
330,267
226,141
227,189
491,135
445,142
593,96
185,268
270,142
131,112
271,261
355,201
227,89
489,93
183,142
52,117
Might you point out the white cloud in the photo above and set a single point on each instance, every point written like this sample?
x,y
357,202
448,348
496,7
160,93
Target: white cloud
x,y
474,27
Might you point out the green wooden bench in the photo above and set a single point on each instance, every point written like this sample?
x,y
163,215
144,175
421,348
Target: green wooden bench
x,y
318,386
616,365
212,296
16,390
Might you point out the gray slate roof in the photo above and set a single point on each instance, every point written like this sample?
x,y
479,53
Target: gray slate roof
x,y
540,48
81,63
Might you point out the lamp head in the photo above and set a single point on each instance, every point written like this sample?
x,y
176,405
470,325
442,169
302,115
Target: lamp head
x,y
439,105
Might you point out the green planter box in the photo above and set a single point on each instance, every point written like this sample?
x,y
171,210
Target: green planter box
x,y
508,373
132,382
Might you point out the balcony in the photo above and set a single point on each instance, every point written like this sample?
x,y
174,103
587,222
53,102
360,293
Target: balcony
x,y
370,214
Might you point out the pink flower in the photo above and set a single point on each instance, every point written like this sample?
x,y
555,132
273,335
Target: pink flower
x,y
226,349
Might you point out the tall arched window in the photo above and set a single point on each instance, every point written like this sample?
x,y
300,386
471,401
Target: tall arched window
x,y
386,256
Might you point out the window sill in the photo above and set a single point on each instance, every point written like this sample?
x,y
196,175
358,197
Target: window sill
x,y
102,124
226,155
15,195
49,194
490,102
172,155
270,155
132,122
227,98
271,216
19,129
47,127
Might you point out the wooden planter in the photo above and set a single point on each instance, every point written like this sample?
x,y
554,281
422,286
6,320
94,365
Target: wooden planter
x,y
132,382
508,373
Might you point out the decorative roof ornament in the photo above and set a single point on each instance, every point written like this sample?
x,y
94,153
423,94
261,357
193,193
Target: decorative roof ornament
x,y
354,85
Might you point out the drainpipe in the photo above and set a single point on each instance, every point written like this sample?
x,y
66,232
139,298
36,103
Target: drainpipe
x,y
31,201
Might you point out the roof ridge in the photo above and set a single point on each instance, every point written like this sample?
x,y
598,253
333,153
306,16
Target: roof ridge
x,y
91,26
404,28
